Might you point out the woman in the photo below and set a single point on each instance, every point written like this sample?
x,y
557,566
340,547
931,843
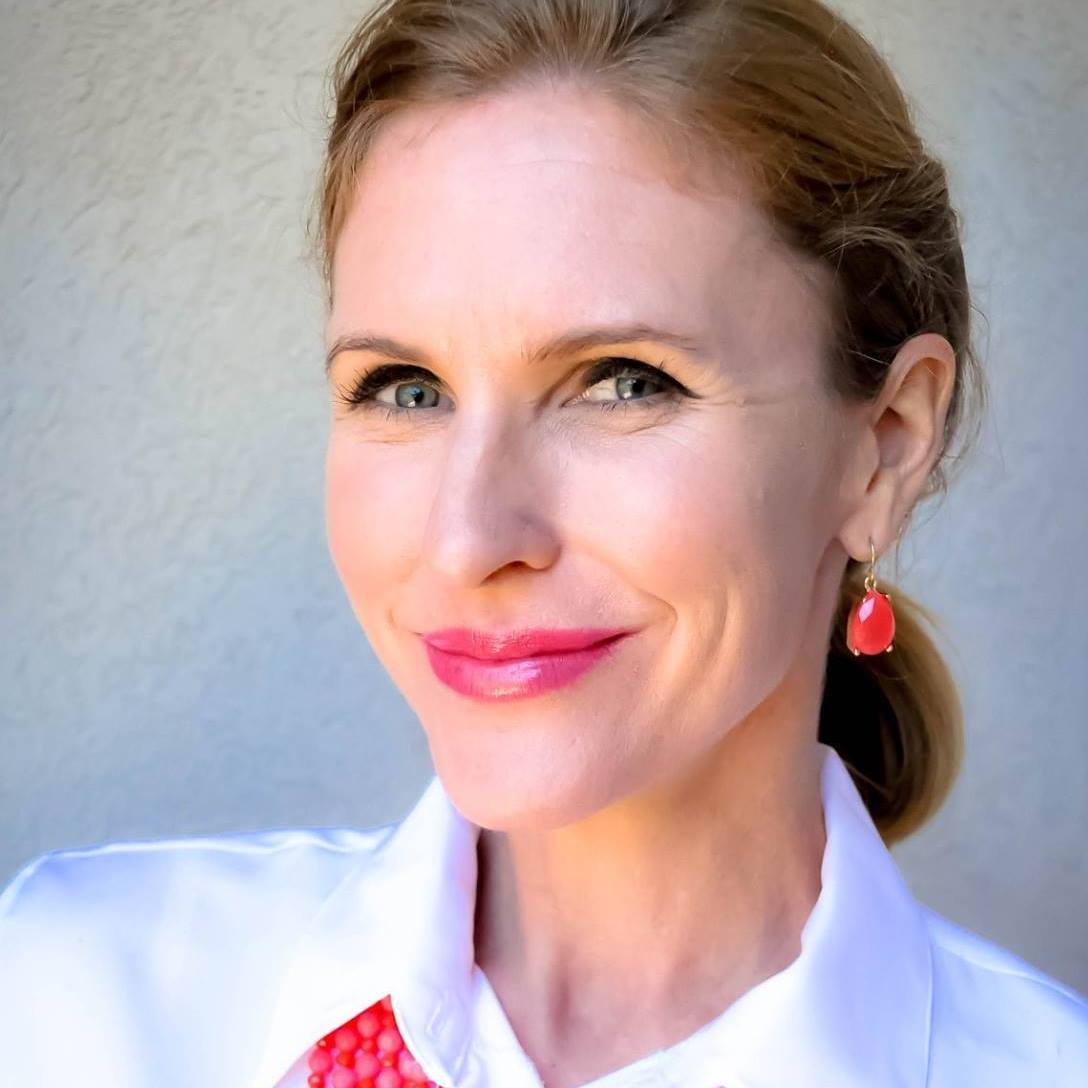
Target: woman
x,y
648,329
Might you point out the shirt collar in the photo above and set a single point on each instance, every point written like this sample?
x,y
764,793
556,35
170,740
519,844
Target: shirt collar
x,y
852,1009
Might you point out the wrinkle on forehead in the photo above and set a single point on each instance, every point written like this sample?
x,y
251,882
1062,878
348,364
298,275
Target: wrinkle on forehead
x,y
569,115
571,122
441,208
470,148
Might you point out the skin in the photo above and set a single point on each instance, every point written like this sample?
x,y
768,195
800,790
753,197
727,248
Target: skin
x,y
680,778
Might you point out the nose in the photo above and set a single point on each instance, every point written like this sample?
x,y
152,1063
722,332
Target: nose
x,y
494,501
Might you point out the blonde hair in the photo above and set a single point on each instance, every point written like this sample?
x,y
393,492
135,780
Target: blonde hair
x,y
817,123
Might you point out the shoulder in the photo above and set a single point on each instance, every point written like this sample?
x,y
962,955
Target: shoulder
x,y
998,1018
119,882
194,929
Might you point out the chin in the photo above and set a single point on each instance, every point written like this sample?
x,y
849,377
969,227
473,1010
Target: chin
x,y
526,799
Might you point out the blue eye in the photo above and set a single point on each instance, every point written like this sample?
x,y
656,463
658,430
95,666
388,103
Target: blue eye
x,y
632,374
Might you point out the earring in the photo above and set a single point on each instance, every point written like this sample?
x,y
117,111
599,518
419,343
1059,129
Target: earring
x,y
871,626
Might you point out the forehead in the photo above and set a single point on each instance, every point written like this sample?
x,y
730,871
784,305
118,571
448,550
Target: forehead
x,y
542,207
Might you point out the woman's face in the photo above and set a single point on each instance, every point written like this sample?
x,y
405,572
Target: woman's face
x,y
696,508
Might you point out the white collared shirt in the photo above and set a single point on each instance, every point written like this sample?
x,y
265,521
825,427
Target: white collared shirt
x,y
218,961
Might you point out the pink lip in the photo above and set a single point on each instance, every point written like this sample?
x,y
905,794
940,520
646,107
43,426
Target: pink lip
x,y
515,664
526,642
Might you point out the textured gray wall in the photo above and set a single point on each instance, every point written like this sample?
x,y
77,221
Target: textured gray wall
x,y
178,655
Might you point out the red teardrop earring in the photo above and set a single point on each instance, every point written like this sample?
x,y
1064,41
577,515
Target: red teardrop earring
x,y
871,626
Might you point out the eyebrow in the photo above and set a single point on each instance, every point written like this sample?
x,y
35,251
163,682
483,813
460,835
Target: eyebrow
x,y
566,343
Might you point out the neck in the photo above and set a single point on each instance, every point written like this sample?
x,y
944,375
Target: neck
x,y
644,921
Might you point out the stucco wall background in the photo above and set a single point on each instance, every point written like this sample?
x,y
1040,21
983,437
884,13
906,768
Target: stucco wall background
x,y
178,655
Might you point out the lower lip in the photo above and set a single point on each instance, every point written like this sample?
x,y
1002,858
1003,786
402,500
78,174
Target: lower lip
x,y
515,678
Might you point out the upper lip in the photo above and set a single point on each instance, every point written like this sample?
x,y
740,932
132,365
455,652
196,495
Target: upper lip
x,y
523,642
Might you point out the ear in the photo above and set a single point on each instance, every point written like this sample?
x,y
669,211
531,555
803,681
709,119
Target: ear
x,y
901,436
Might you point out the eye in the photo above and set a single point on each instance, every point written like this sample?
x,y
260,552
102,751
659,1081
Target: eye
x,y
415,380
629,378
413,385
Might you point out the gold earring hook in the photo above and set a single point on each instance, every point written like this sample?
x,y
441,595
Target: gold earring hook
x,y
870,578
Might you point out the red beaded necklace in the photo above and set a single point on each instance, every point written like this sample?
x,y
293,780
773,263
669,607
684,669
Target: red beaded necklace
x,y
366,1051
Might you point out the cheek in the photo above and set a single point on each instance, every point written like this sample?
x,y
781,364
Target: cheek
x,y
709,523
703,509
368,523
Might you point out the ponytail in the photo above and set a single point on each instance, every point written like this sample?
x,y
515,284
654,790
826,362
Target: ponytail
x,y
894,718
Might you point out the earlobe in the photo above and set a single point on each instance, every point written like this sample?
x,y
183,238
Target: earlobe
x,y
876,521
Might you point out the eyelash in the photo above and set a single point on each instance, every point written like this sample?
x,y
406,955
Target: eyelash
x,y
362,394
